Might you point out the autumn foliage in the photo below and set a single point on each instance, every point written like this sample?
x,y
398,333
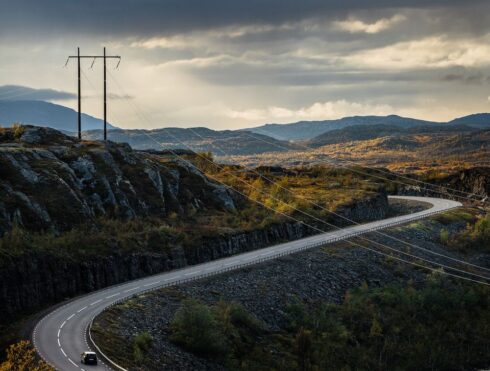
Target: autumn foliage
x,y
22,357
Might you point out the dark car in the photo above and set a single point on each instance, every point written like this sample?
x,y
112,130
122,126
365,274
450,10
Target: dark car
x,y
89,358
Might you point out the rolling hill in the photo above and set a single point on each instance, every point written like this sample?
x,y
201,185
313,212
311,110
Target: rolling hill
x,y
478,120
40,113
199,139
305,130
366,132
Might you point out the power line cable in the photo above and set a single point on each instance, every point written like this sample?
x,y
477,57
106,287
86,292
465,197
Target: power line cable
x,y
331,163
341,216
385,246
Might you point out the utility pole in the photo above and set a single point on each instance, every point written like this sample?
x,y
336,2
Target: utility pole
x,y
105,98
79,98
94,57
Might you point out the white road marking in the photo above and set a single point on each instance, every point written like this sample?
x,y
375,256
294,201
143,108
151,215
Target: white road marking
x,y
69,318
151,284
134,288
168,279
62,351
59,332
96,302
63,324
78,311
59,344
111,296
74,364
189,274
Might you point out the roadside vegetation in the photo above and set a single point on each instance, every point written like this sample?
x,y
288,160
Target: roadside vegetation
x,y
22,357
476,236
439,326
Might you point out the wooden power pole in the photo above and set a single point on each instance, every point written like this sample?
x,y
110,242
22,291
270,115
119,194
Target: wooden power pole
x,y
79,98
94,57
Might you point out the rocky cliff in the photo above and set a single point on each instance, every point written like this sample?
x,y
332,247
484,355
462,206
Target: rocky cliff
x,y
474,181
49,181
37,279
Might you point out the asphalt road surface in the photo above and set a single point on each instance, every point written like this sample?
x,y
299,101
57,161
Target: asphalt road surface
x,y
61,336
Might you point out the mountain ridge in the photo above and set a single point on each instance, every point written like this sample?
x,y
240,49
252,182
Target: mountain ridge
x,y
42,113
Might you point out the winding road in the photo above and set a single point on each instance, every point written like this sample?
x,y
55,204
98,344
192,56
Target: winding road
x,y
61,336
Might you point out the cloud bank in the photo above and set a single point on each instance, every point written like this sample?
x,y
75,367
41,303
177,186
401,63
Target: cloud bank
x,y
230,64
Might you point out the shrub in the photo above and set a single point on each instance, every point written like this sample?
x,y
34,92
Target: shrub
x,y
141,345
195,328
18,130
22,357
444,237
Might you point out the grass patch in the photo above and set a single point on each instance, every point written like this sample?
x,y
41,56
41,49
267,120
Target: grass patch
x,y
456,215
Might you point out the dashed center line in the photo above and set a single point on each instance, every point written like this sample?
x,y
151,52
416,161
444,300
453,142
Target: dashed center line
x,y
134,288
96,302
62,351
78,311
111,296
69,318
59,331
63,324
151,284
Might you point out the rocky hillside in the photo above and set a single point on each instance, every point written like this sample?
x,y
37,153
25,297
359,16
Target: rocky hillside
x,y
49,181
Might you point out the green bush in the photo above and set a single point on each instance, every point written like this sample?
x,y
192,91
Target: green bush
x,y
141,345
196,329
444,237
476,236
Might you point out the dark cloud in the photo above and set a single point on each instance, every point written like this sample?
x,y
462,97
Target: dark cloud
x,y
16,92
468,77
149,17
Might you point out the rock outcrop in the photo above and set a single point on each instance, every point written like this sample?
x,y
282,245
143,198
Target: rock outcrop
x,y
49,181
474,181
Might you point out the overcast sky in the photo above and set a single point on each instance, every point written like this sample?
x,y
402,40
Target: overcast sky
x,y
228,64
